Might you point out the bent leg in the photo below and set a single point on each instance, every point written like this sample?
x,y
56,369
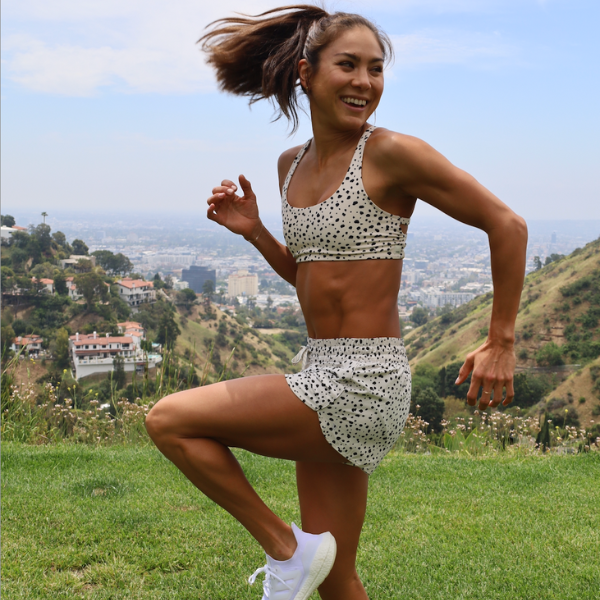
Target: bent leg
x,y
195,428
333,497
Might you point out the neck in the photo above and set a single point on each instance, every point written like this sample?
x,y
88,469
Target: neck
x,y
329,142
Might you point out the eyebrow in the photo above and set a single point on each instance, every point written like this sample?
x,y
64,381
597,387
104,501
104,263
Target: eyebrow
x,y
357,58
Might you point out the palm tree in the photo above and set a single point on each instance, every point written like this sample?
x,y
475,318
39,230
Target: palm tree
x,y
44,214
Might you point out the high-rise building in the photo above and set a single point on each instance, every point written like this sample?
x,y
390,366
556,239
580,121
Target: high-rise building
x,y
242,283
197,276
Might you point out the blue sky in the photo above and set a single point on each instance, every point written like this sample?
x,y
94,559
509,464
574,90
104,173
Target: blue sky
x,y
108,105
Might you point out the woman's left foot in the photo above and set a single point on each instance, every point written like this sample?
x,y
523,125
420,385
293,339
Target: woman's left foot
x,y
298,577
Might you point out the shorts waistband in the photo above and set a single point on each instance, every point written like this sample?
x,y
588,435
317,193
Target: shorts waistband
x,y
355,342
356,345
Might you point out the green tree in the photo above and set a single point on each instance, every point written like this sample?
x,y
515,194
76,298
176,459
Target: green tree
x,y
8,220
419,316
8,335
60,238
186,297
44,215
549,355
41,233
430,408
168,330
60,284
61,353
208,290
80,248
91,285
18,259
118,374
537,263
7,279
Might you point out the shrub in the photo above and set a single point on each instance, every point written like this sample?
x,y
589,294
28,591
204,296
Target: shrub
x,y
550,355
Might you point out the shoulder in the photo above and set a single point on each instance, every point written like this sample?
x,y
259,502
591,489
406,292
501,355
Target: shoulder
x,y
285,162
404,158
385,144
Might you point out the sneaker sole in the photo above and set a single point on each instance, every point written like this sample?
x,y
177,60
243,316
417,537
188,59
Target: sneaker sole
x,y
324,558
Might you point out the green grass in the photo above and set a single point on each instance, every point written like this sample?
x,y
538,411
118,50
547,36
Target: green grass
x,y
122,522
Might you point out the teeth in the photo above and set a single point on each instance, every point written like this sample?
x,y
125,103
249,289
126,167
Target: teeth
x,y
354,101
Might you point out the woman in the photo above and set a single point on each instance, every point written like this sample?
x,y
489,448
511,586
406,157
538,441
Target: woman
x,y
343,412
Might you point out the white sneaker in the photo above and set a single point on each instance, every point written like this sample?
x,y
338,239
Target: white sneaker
x,y
298,577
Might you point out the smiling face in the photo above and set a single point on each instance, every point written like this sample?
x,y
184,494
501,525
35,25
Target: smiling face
x,y
346,86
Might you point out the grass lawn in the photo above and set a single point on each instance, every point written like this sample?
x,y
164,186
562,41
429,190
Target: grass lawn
x,y
81,522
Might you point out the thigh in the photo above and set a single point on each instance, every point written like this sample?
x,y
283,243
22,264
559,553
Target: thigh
x,y
333,497
260,414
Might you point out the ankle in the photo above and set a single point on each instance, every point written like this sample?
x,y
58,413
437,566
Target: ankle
x,y
282,546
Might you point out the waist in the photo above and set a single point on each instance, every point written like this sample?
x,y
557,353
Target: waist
x,y
350,300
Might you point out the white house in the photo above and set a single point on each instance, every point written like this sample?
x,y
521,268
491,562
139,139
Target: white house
x,y
74,294
30,344
136,292
74,259
46,285
95,354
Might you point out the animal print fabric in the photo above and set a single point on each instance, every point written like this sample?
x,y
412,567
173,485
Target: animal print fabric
x,y
346,226
360,389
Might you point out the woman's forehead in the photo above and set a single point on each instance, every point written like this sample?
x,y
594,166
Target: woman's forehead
x,y
360,42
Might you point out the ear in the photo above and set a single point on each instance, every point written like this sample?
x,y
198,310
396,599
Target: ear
x,y
304,74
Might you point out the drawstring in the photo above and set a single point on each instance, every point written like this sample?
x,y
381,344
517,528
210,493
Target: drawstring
x,y
302,356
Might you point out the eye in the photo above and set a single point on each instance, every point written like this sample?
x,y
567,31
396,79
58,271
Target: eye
x,y
346,63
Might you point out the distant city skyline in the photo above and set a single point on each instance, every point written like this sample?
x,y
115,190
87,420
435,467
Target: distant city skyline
x,y
110,107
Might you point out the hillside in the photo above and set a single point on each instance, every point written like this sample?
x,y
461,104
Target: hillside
x,y
557,329
220,340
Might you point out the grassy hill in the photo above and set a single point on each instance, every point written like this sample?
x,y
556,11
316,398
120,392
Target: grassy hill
x,y
557,329
217,341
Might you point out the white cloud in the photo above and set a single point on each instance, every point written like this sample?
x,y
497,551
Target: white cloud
x,y
78,47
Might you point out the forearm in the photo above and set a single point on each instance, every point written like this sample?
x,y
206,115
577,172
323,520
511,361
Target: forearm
x,y
275,253
508,244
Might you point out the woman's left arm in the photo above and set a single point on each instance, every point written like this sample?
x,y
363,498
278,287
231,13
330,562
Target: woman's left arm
x,y
427,175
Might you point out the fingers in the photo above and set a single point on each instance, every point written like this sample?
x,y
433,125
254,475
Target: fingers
x,y
465,369
224,190
246,187
510,393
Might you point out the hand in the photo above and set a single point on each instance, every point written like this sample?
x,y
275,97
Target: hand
x,y
493,367
238,213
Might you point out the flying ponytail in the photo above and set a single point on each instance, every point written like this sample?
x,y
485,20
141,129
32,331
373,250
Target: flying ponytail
x,y
258,55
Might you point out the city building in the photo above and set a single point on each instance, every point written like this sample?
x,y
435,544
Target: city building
x,y
28,344
196,276
242,283
136,292
92,353
435,299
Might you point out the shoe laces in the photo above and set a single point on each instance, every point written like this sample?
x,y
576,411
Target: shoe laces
x,y
269,574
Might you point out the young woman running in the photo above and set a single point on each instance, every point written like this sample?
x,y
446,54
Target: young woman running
x,y
347,198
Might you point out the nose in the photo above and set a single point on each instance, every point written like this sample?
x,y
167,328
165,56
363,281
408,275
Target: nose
x,y
361,79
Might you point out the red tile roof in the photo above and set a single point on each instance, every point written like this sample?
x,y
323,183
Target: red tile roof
x,y
135,283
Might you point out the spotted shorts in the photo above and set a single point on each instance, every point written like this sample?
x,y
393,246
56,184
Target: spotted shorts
x,y
360,388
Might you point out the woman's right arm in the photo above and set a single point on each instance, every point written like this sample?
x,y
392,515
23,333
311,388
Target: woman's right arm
x,y
239,214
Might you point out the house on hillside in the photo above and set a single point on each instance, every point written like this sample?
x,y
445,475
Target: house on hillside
x,y
73,262
93,353
46,285
27,344
128,327
136,292
74,294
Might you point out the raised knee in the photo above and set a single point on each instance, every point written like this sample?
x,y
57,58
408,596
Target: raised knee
x,y
157,420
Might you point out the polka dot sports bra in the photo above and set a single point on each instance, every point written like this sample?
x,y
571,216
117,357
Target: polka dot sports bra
x,y
346,226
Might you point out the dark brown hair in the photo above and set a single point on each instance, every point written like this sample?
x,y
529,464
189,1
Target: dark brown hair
x,y
258,55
